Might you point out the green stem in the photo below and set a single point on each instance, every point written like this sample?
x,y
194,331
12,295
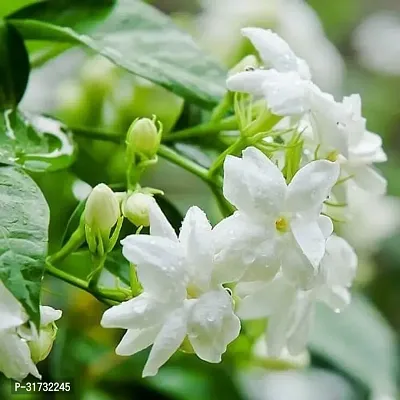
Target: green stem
x,y
75,241
97,134
175,158
209,128
234,148
136,287
107,296
222,108
98,263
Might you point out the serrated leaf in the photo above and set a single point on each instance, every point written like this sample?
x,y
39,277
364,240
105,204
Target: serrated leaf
x,y
24,217
14,66
360,342
133,35
34,142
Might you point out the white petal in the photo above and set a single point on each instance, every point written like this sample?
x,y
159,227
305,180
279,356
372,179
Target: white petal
x,y
167,342
310,239
369,179
339,264
267,300
212,325
311,185
195,237
253,184
141,312
159,225
273,50
286,93
296,267
369,145
326,225
279,323
49,315
248,82
136,340
11,311
335,297
300,330
159,262
15,357
239,243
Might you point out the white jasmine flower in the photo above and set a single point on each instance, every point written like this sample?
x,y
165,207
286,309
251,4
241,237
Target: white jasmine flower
x,y
275,223
15,336
286,86
290,309
180,295
340,128
294,20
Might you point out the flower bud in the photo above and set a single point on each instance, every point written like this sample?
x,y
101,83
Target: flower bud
x,y
136,208
41,347
102,209
143,137
247,63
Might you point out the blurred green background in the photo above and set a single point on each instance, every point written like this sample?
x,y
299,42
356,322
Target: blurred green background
x,y
352,46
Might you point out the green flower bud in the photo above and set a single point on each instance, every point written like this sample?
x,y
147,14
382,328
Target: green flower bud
x,y
102,209
136,208
248,63
143,137
41,347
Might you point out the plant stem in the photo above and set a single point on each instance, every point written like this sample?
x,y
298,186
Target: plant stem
x,y
107,296
209,128
74,242
175,158
234,148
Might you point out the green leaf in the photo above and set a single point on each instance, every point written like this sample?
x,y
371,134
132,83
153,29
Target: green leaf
x,y
14,66
9,6
24,217
133,35
35,142
360,342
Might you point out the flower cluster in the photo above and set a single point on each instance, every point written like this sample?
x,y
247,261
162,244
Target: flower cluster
x,y
21,344
278,251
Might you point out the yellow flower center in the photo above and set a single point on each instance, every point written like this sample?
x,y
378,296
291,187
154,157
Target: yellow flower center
x,y
282,224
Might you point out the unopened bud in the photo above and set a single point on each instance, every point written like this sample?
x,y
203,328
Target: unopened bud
x,y
143,137
102,209
136,208
247,63
41,347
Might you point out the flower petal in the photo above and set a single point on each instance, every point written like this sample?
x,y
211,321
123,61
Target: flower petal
x,y
239,243
273,50
15,357
49,315
159,225
212,325
267,300
309,238
140,312
254,184
296,267
195,237
167,341
11,311
159,262
335,297
311,185
339,264
326,225
286,93
300,330
136,340
369,179
248,82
